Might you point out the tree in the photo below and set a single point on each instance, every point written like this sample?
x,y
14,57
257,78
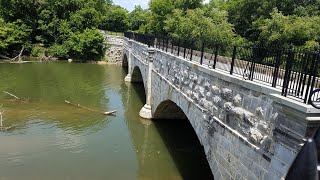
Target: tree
x,y
25,10
289,30
85,18
159,10
187,4
243,13
138,17
88,45
115,20
13,36
196,25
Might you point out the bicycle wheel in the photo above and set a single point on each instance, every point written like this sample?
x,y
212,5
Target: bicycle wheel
x,y
315,98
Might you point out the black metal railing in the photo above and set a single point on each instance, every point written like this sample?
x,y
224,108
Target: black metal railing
x,y
296,72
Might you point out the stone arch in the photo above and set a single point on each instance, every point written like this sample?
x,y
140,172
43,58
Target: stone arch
x,y
125,60
136,76
169,110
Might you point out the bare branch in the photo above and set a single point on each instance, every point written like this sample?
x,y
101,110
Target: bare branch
x,y
88,109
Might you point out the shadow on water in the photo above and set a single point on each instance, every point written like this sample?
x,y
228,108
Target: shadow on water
x,y
175,136
185,148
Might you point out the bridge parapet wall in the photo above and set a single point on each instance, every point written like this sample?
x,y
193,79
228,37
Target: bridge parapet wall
x,y
267,127
248,130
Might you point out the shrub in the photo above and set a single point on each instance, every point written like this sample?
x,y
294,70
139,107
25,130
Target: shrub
x,y
59,51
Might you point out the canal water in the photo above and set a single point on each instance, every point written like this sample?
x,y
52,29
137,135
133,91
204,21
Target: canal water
x,y
51,139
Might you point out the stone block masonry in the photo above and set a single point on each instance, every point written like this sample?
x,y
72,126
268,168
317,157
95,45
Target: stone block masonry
x,y
114,50
248,130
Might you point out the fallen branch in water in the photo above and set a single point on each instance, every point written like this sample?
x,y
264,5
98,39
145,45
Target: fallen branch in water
x,y
4,57
19,56
12,95
16,97
2,127
88,109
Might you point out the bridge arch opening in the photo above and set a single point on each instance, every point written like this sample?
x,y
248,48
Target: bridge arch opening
x,y
136,76
181,140
125,63
169,110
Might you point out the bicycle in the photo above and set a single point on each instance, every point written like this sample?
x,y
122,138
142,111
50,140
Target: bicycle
x,y
315,98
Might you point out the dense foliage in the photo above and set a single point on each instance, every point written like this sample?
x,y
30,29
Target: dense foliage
x,y
13,35
69,28
285,23
60,28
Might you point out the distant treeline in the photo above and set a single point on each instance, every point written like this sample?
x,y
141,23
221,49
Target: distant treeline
x,y
269,22
58,28
69,28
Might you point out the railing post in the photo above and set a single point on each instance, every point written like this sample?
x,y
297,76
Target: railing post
x,y
163,44
178,47
287,73
276,69
252,67
215,56
172,46
167,44
154,42
309,85
234,52
202,53
191,54
314,74
184,51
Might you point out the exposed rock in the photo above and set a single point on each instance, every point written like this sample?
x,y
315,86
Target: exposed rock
x,y
263,127
195,96
237,112
201,91
214,109
228,107
189,93
237,100
208,95
255,136
202,101
226,94
207,104
217,100
215,90
248,117
207,85
274,117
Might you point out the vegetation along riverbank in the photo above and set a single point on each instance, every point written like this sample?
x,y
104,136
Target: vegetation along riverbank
x,y
51,30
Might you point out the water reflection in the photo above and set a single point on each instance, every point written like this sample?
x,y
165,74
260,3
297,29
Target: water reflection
x,y
53,140
164,146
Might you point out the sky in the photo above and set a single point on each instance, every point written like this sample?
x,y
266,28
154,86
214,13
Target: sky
x,y
129,4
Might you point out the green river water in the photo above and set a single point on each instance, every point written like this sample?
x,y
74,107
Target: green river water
x,y
53,140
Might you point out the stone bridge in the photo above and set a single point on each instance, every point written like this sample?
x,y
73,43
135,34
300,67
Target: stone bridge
x,y
248,130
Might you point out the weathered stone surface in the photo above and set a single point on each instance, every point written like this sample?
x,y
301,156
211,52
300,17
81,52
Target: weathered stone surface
x,y
226,94
215,90
228,107
114,53
237,100
255,136
260,112
216,100
239,126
